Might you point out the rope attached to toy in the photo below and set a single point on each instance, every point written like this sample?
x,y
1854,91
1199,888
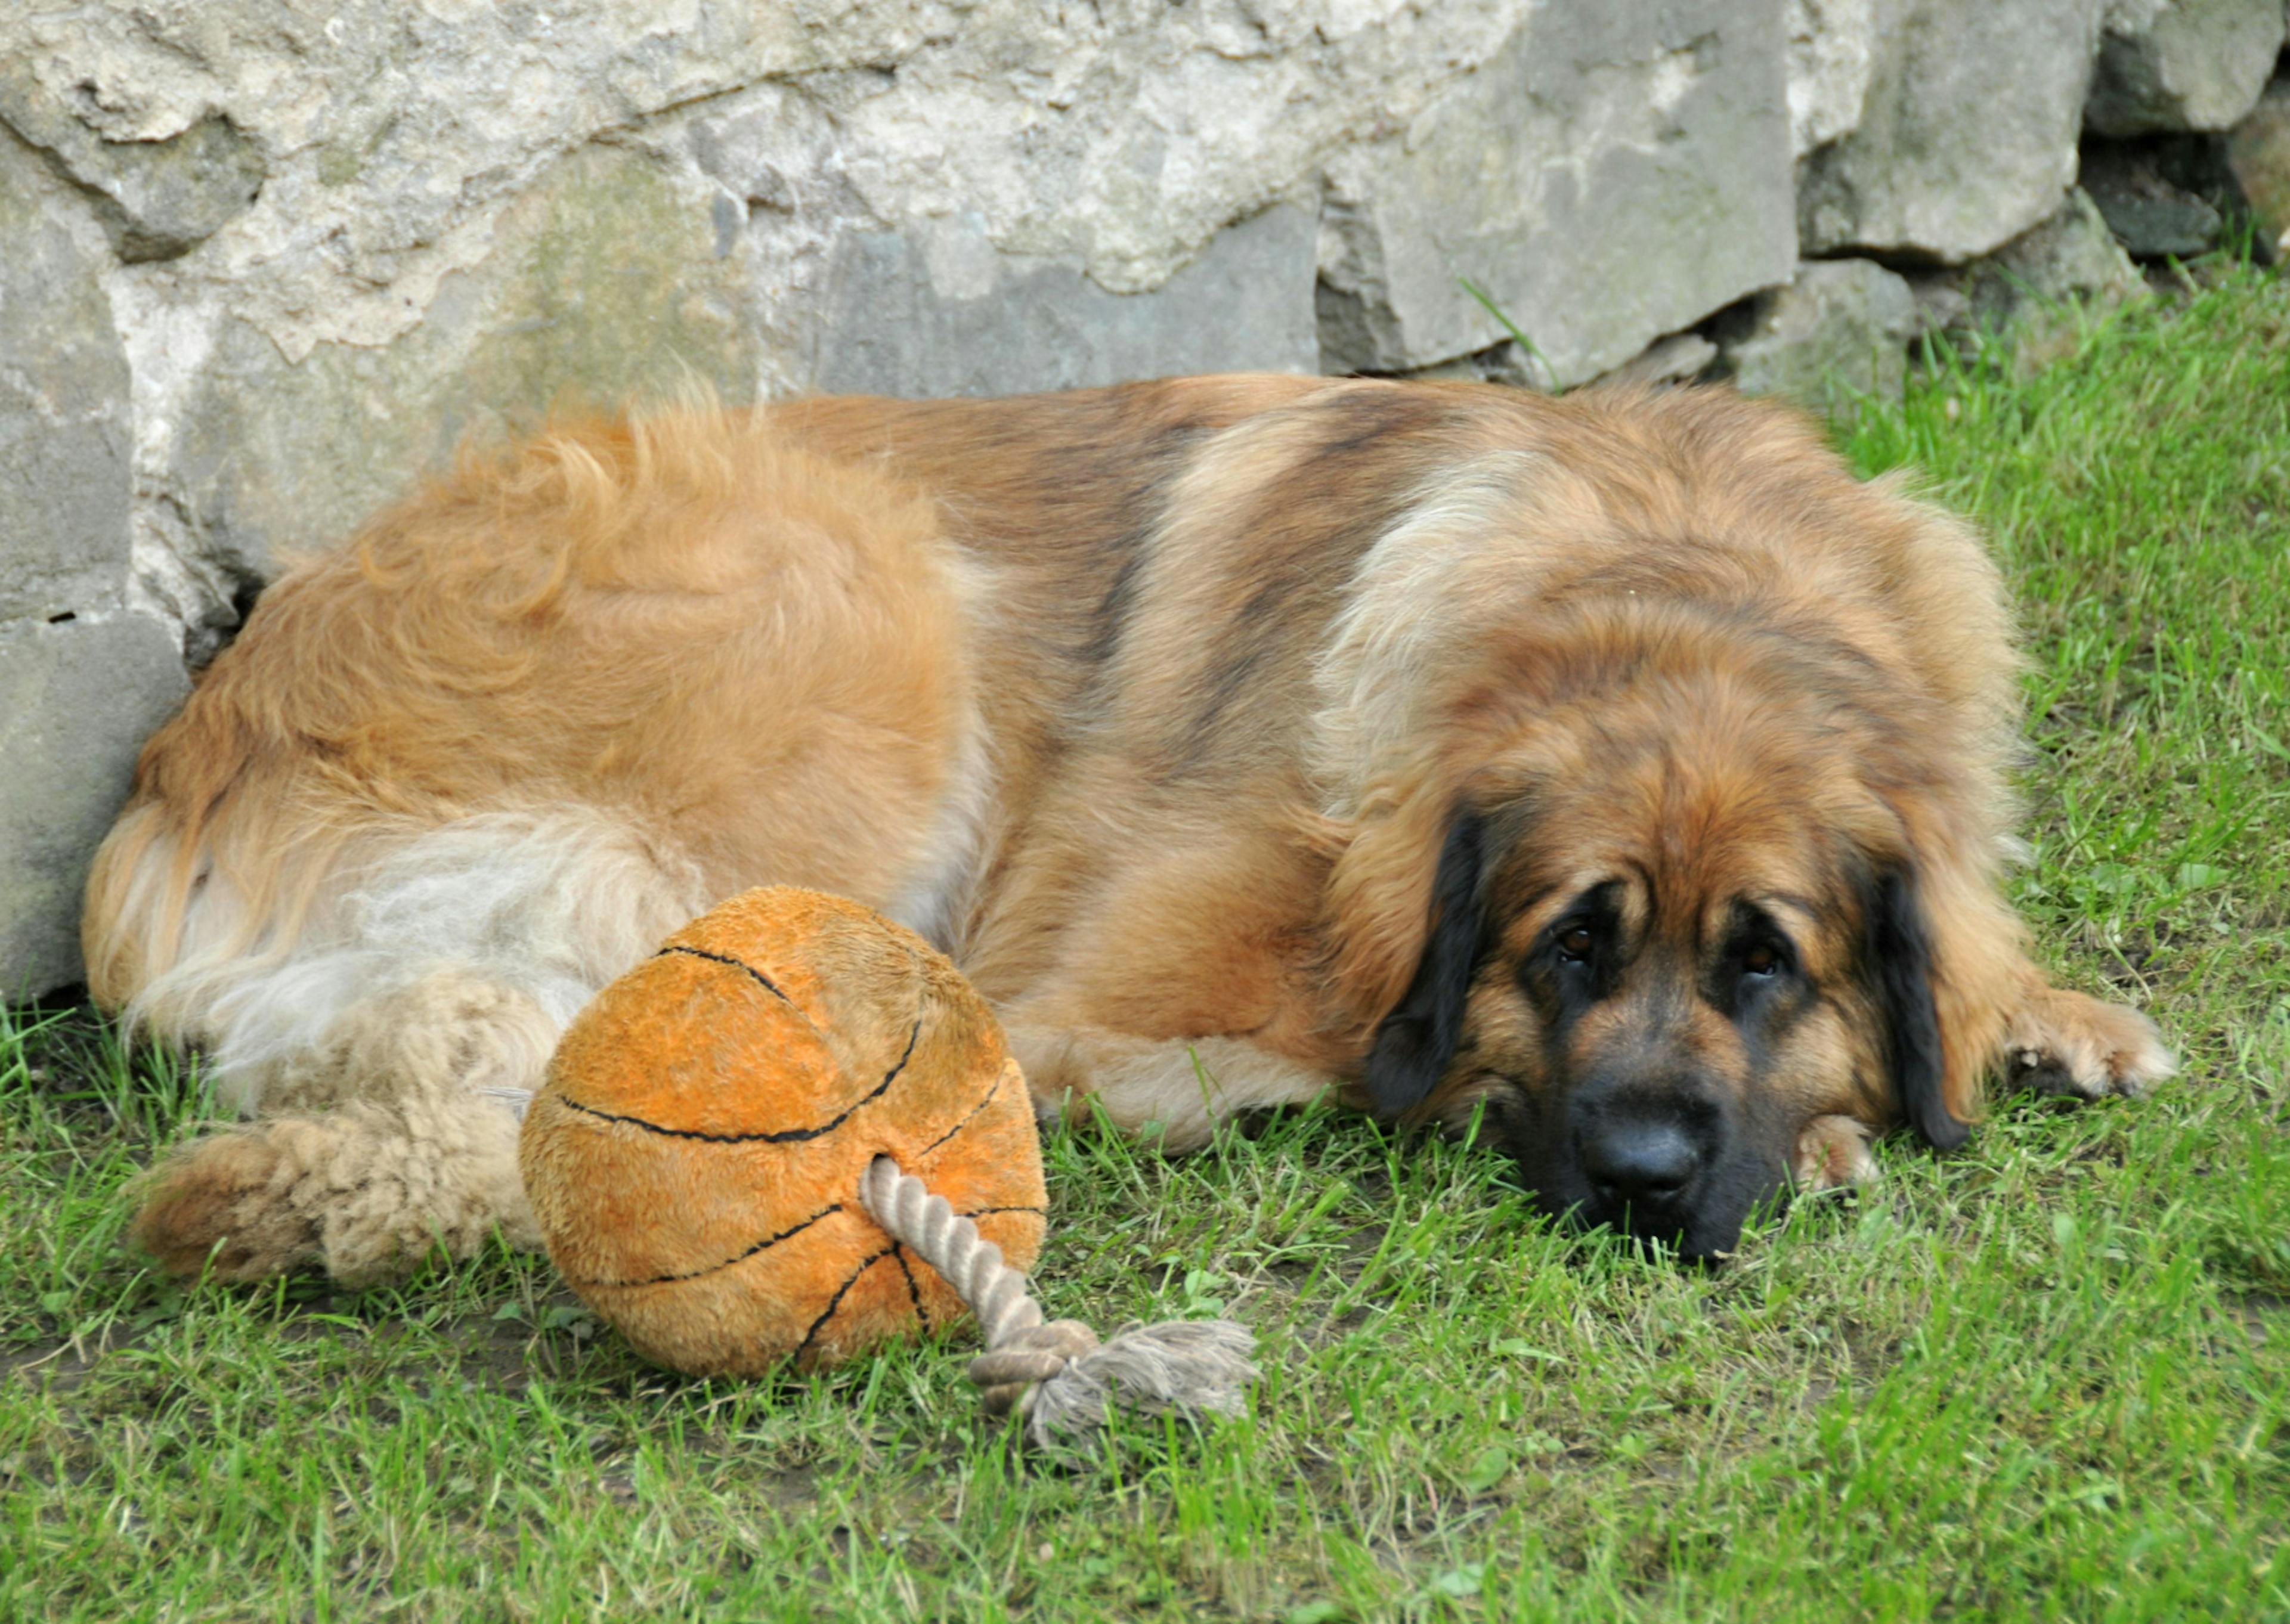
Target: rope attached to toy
x,y
1057,1375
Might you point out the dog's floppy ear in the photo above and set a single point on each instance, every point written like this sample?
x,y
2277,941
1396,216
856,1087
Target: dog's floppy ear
x,y
1900,961
1418,1039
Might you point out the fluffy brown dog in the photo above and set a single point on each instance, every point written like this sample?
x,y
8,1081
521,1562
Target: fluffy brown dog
x,y
1617,763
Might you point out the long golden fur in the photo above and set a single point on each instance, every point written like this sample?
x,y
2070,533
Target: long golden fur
x,y
1618,764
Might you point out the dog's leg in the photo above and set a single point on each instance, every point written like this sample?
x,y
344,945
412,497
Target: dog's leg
x,y
2068,1044
398,1140
1171,1092
386,1054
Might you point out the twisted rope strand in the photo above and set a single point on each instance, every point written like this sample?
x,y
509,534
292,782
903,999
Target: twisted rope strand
x,y
950,1243
1055,1374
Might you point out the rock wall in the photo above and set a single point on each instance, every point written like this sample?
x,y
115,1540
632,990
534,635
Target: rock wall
x,y
261,262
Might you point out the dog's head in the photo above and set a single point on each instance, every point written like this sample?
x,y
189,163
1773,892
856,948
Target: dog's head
x,y
1675,919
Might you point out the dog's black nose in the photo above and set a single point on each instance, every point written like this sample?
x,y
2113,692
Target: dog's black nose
x,y
1641,1162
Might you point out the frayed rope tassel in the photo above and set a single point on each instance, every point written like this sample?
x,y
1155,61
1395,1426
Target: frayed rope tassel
x,y
1057,1375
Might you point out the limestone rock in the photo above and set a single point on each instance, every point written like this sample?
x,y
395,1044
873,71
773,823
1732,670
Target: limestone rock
x,y
1966,132
1613,173
937,310
1679,359
1832,57
745,190
156,198
2034,282
601,283
77,698
1841,329
2072,256
2258,153
2181,64
64,474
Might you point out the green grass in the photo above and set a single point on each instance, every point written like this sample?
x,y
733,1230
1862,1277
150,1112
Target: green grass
x,y
2047,1378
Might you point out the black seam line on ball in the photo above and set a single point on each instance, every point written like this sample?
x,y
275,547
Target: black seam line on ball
x,y
766,982
989,1211
899,1257
836,1302
789,1136
768,1241
966,1116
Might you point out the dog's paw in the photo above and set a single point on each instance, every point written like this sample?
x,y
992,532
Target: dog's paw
x,y
2067,1044
221,1206
1832,1152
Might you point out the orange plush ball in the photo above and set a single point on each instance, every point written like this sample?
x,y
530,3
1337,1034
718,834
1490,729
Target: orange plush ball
x,y
693,1158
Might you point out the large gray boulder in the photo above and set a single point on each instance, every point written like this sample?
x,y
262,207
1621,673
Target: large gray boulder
x,y
2181,64
598,281
77,698
1966,135
1612,173
938,311
64,417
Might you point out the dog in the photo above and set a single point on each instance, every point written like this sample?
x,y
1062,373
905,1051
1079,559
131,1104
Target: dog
x,y
1616,767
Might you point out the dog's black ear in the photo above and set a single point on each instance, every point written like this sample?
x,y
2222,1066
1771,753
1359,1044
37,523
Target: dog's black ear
x,y
1418,1037
1901,971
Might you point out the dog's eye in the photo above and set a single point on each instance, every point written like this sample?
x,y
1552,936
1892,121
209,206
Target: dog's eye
x,y
1573,943
1761,959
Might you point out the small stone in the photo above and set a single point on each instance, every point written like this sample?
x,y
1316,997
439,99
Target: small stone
x,y
1942,305
2181,64
2151,215
2033,284
2072,257
2258,154
1679,359
1841,329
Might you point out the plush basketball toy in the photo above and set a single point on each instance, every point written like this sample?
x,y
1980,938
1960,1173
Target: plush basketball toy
x,y
796,1132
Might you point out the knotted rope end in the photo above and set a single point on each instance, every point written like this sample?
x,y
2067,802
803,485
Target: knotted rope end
x,y
1191,1368
1058,1375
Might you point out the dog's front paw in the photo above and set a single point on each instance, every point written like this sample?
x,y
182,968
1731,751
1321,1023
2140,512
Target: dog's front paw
x,y
1832,1151
2068,1045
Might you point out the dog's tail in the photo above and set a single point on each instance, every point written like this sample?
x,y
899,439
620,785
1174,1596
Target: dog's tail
x,y
382,1002
385,1034
380,992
